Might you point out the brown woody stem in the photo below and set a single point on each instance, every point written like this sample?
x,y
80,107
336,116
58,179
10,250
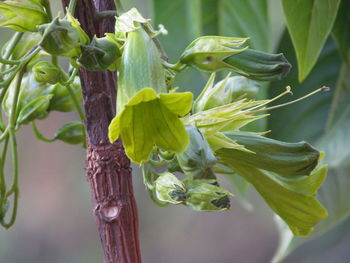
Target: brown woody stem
x,y
108,168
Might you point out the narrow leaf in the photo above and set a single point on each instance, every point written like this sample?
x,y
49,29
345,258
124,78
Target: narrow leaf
x,y
309,23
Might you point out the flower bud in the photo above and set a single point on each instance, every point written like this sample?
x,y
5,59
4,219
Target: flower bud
x,y
170,189
72,133
198,159
208,52
36,109
212,53
63,37
22,15
289,159
224,92
46,72
259,65
62,100
208,197
100,55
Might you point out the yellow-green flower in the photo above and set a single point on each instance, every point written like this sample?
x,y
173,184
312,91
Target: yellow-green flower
x,y
147,115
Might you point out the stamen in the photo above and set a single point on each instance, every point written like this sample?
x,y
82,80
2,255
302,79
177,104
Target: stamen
x,y
324,88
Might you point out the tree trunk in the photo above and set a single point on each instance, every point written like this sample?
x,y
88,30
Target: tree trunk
x,y
108,168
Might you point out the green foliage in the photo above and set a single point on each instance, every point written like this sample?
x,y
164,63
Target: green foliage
x,y
246,19
309,23
340,32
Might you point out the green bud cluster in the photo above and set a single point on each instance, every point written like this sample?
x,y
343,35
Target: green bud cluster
x,y
37,99
224,92
200,189
200,195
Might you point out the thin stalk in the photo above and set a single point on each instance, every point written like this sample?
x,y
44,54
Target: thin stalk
x,y
106,14
12,118
39,135
67,84
15,39
46,4
2,176
72,5
25,59
2,95
8,70
14,189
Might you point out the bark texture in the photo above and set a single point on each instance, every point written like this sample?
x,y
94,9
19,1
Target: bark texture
x,y
108,168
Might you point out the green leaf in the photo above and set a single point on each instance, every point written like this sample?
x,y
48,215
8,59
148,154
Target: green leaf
x,y
341,31
247,18
297,206
35,109
309,23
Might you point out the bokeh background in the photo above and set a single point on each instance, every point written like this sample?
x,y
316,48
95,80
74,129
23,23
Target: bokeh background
x,y
55,222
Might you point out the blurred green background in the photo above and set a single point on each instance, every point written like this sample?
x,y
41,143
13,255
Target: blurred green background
x,y
55,222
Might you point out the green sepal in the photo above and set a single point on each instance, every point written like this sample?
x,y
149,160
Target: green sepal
x,y
198,159
208,52
22,15
47,72
170,189
226,91
100,54
150,119
127,22
36,109
72,133
208,197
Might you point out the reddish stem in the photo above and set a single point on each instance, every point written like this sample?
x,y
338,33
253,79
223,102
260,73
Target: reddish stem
x,y
108,168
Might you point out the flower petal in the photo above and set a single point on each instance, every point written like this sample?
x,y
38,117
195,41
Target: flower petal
x,y
178,103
